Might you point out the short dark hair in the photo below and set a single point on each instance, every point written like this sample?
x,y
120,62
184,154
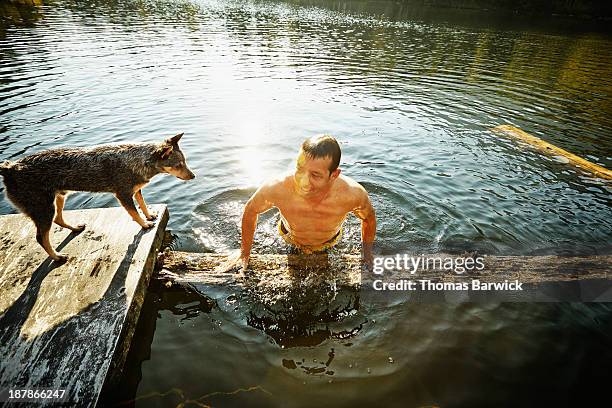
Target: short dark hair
x,y
318,147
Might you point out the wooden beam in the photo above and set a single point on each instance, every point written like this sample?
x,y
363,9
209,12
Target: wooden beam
x,y
185,267
551,149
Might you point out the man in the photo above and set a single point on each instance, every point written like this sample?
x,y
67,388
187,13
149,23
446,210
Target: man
x,y
313,203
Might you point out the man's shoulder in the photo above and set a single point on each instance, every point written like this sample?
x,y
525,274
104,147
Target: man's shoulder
x,y
276,185
350,189
348,185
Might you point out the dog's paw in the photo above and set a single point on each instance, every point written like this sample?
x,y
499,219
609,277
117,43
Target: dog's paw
x,y
152,216
61,258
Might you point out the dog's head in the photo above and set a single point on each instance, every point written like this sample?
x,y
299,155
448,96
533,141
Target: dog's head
x,y
171,159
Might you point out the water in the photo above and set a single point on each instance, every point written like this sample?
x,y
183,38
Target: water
x,y
411,94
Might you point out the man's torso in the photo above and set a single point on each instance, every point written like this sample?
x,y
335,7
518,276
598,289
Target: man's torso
x,y
312,223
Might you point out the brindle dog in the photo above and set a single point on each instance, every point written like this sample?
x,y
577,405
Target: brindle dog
x,y
37,184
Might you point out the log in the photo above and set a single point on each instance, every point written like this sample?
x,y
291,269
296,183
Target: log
x,y
551,149
270,269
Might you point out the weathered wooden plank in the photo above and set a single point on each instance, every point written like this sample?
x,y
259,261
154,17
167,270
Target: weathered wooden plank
x,y
273,269
68,326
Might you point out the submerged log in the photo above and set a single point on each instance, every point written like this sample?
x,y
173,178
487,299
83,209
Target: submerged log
x,y
184,267
548,148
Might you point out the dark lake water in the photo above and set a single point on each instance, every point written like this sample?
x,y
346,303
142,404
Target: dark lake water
x,y
411,94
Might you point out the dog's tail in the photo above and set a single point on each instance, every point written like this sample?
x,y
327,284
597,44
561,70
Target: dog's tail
x,y
5,166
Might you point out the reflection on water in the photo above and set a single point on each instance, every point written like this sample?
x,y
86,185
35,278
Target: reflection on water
x,y
411,93
306,311
342,346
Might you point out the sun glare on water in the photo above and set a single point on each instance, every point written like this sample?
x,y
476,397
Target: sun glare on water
x,y
255,152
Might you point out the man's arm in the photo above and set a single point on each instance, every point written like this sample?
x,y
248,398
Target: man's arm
x,y
365,212
259,202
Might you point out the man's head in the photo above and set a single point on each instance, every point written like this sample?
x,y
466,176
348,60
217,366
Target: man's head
x,y
317,165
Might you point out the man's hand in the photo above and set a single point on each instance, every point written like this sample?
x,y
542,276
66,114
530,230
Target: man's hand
x,y
236,261
239,260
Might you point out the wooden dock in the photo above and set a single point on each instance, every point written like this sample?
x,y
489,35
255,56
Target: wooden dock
x,y
68,327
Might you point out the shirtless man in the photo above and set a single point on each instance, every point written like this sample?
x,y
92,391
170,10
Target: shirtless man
x,y
313,203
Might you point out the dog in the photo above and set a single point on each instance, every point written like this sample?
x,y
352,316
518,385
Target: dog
x,y
38,184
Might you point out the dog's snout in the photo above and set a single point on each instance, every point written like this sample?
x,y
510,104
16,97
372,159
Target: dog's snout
x,y
189,175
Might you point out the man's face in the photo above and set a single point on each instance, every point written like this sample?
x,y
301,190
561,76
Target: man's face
x,y
312,175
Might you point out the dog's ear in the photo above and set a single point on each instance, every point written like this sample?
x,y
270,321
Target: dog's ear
x,y
175,139
164,151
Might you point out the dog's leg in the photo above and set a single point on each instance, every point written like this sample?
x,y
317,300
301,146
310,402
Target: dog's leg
x,y
43,221
128,203
59,215
143,206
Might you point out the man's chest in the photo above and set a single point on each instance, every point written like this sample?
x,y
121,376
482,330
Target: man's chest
x,y
298,208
